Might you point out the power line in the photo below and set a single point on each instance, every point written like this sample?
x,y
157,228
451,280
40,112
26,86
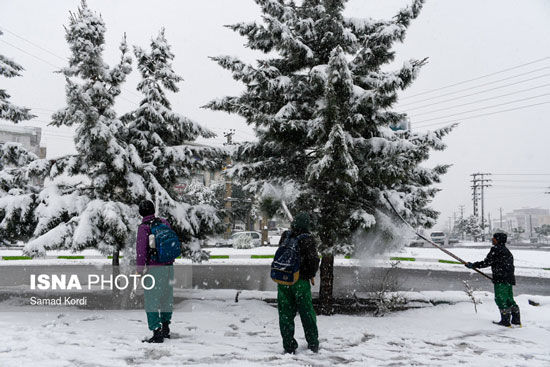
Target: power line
x,y
474,102
485,84
483,108
58,137
28,53
520,187
32,43
521,174
46,110
56,68
485,114
477,78
508,195
527,181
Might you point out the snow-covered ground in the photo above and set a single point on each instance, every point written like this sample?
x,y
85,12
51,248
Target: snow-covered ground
x,y
211,329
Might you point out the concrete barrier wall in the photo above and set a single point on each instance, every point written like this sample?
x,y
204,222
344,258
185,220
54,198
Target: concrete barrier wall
x,y
347,279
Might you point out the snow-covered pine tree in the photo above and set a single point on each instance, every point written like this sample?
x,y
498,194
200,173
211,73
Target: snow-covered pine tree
x,y
470,227
17,197
97,207
9,111
165,142
322,112
17,193
12,157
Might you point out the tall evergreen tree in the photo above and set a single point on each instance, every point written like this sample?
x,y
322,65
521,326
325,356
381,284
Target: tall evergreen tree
x,y
9,111
98,211
322,112
16,187
164,142
470,227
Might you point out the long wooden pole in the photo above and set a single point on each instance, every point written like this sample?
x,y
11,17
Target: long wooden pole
x,y
431,242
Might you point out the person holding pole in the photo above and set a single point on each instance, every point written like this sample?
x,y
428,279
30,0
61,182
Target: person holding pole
x,y
501,261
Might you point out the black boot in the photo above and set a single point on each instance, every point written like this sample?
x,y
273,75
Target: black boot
x,y
504,318
166,330
157,337
516,319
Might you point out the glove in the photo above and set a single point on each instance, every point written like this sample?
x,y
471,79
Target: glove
x,y
469,265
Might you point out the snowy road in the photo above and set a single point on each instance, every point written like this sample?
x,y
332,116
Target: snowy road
x,y
211,329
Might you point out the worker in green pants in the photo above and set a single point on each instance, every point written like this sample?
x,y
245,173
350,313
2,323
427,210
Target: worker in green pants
x,y
297,297
501,261
160,298
292,298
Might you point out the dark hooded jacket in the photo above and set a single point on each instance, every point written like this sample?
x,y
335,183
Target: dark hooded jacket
x,y
309,259
501,261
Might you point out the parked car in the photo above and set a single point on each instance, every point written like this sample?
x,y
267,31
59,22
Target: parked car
x,y
453,240
238,228
255,236
439,238
416,242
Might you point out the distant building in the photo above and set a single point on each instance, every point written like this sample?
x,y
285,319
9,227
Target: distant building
x,y
27,136
525,218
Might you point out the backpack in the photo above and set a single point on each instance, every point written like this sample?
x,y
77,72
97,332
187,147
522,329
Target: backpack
x,y
167,244
285,268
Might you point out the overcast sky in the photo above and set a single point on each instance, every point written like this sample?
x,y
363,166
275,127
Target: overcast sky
x,y
464,39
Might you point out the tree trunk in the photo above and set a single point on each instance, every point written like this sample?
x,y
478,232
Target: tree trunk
x,y
327,282
265,234
116,301
116,258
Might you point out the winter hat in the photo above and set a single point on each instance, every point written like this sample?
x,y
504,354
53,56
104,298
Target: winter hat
x,y
301,223
500,237
146,207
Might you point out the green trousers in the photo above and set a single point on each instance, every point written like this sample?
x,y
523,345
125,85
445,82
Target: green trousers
x,y
504,295
292,299
159,300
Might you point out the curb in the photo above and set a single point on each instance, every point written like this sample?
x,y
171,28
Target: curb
x,y
242,257
403,258
449,262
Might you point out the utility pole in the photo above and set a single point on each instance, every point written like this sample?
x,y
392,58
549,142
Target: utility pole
x,y
501,227
228,186
480,184
461,207
474,193
454,221
530,226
